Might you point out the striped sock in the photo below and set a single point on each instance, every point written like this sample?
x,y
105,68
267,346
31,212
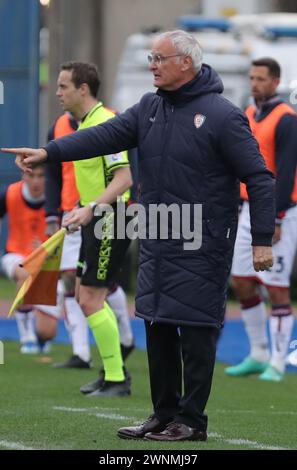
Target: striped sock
x,y
280,325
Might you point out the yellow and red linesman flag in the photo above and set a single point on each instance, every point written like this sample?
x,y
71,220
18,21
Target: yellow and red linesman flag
x,y
43,266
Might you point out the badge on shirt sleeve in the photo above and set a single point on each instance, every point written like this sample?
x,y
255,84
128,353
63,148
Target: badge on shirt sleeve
x,y
115,158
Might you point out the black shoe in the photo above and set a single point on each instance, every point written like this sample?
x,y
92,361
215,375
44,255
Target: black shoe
x,y
97,384
112,389
74,362
152,424
177,432
92,386
128,377
126,350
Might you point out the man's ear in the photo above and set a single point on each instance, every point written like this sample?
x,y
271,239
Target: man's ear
x,y
84,88
187,63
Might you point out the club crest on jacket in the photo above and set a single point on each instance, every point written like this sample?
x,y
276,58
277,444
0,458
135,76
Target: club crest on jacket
x,y
199,120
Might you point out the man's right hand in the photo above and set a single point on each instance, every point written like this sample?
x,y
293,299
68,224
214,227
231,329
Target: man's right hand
x,y
26,158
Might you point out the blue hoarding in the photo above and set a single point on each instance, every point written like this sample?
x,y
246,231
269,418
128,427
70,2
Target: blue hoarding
x,y
19,81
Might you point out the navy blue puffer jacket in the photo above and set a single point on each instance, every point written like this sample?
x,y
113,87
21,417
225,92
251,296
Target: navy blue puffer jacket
x,y
194,146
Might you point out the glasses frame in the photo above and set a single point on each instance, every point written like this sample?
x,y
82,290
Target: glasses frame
x,y
159,59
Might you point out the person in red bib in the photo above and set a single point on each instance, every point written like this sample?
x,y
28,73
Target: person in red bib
x,y
23,203
274,125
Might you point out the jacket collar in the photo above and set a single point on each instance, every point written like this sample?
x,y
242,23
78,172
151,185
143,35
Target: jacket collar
x,y
206,81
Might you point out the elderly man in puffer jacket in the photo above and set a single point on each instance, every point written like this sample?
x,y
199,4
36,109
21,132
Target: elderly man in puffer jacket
x,y
194,147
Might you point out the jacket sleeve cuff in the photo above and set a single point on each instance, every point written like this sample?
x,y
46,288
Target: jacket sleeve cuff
x,y
53,152
262,239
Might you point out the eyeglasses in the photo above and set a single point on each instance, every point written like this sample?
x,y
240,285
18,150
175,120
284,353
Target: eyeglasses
x,y
159,59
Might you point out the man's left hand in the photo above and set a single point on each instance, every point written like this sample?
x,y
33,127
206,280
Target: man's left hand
x,y
262,258
77,217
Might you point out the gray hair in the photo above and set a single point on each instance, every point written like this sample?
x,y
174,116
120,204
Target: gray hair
x,y
186,44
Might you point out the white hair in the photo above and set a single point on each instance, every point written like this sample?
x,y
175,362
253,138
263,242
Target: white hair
x,y
185,44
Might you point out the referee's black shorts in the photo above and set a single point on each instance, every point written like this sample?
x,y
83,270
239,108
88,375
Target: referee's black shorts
x,y
101,257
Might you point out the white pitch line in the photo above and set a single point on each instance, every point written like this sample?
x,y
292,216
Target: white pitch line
x,y
253,444
83,410
94,412
214,435
246,442
73,410
111,416
15,445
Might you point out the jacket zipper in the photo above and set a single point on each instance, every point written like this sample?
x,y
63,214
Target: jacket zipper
x,y
167,132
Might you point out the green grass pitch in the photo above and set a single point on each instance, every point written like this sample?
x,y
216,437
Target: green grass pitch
x,y
42,408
